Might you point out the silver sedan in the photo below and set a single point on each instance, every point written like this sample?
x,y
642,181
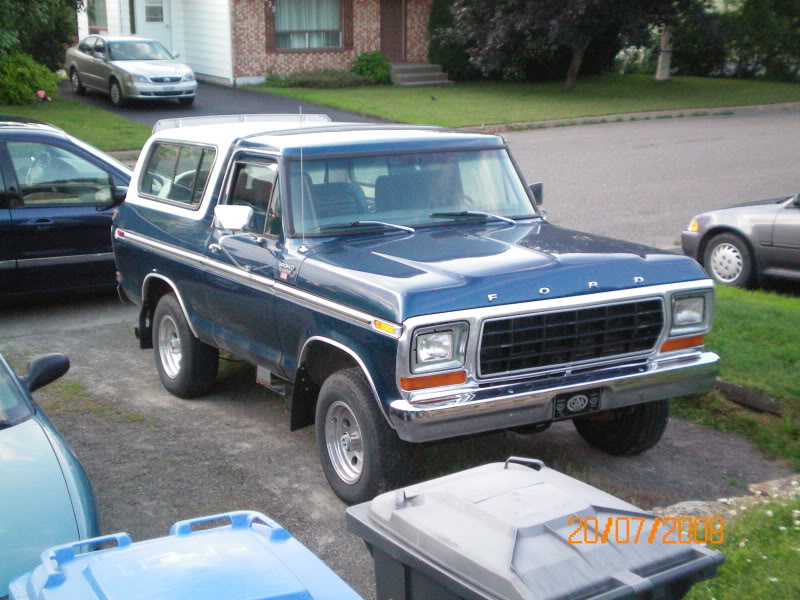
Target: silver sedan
x,y
126,68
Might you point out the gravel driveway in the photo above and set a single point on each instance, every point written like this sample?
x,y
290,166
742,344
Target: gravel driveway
x,y
154,459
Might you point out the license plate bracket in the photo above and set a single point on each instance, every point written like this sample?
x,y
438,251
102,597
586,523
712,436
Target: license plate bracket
x,y
573,404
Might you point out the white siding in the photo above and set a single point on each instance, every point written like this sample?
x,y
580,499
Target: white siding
x,y
201,33
117,18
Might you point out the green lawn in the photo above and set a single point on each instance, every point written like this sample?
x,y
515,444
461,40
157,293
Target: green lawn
x,y
757,335
100,128
491,102
762,555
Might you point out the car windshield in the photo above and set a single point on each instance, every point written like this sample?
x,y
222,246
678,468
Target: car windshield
x,y
339,195
13,407
136,50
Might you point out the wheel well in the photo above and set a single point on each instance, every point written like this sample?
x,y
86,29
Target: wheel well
x,y
154,290
320,361
701,250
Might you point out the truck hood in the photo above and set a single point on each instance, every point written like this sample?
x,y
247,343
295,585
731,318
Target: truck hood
x,y
397,276
35,509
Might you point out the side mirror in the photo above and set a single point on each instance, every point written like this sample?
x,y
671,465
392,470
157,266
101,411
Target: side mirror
x,y
120,193
100,55
176,55
232,217
537,189
45,369
796,200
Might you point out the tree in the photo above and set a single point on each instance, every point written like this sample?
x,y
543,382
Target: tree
x,y
40,28
503,33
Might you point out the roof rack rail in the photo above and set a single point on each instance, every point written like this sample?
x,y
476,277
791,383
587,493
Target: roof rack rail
x,y
222,119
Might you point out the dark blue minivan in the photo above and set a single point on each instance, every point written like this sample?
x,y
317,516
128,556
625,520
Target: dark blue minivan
x,y
57,197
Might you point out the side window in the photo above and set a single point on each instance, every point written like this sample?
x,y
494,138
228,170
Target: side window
x,y
177,173
100,46
49,175
252,186
87,45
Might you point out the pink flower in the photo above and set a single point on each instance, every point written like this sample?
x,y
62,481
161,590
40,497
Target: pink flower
x,y
41,94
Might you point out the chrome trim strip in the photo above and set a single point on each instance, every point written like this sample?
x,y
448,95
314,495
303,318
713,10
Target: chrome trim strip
x,y
467,411
357,358
8,264
64,260
576,364
258,281
177,294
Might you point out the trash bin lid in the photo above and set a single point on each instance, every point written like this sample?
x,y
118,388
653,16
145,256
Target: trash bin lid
x,y
506,529
253,558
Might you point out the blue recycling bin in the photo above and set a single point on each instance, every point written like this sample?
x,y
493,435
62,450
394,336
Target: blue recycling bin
x,y
251,558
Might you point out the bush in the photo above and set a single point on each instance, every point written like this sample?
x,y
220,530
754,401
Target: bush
x,y
374,66
448,53
21,77
326,78
700,43
766,39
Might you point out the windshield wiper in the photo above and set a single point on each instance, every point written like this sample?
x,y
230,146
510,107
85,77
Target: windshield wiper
x,y
471,213
368,224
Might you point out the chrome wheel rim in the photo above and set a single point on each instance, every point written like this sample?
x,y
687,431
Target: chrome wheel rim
x,y
169,346
727,262
115,94
344,442
76,82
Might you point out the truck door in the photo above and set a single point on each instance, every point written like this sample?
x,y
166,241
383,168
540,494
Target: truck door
x,y
8,263
241,269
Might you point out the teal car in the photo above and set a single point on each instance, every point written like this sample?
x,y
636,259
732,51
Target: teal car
x,y
46,497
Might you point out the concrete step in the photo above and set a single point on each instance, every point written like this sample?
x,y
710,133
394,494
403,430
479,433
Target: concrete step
x,y
436,82
418,77
415,68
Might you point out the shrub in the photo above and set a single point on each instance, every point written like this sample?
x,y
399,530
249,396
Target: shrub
x,y
700,43
766,39
21,77
326,78
373,65
445,51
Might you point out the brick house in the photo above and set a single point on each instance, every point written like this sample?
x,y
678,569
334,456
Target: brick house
x,y
239,41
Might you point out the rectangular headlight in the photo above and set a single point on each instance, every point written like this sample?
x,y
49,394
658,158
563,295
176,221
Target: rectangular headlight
x,y
439,348
691,313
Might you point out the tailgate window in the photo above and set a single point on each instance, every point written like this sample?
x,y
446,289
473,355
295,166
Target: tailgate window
x,y
177,173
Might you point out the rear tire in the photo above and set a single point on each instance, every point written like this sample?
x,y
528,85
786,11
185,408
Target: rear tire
x,y
75,83
628,430
115,92
186,366
360,453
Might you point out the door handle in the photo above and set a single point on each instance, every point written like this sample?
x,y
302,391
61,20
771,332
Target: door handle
x,y
40,222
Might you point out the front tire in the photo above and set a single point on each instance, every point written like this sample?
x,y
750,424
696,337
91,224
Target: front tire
x,y
75,83
629,430
728,261
115,92
186,366
360,454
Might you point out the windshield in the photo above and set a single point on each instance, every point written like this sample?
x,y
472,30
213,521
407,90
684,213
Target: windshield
x,y
405,189
13,407
135,50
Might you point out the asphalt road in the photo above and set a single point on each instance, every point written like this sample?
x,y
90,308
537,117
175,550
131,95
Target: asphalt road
x,y
212,100
644,180
154,459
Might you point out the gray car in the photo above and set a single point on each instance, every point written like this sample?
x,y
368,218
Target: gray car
x,y
127,67
742,244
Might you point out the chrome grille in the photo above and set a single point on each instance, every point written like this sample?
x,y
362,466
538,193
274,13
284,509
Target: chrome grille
x,y
569,336
165,79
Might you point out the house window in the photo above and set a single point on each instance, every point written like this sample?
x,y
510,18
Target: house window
x,y
308,24
98,21
154,11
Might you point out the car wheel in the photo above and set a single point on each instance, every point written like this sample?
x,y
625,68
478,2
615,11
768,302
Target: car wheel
x,y
186,101
186,366
728,261
117,97
628,430
360,454
75,82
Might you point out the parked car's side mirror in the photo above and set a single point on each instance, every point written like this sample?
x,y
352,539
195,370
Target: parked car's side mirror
x,y
176,55
796,200
537,189
100,55
120,192
233,217
45,369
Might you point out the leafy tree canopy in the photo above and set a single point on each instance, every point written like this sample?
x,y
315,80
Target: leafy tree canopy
x,y
38,27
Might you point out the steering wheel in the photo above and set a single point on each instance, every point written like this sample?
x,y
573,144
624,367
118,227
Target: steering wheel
x,y
37,170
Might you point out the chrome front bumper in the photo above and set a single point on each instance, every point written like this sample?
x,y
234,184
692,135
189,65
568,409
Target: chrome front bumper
x,y
156,91
467,411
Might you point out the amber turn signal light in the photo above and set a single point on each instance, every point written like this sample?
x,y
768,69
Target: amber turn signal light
x,y
689,342
409,384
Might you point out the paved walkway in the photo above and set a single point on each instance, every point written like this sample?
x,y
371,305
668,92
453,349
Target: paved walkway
x,y
213,100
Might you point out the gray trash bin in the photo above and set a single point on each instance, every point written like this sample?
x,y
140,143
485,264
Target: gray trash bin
x,y
503,531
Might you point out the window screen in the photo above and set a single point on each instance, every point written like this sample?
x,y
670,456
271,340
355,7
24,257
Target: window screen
x,y
177,173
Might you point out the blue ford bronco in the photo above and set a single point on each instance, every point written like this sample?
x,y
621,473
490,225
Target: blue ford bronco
x,y
400,285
